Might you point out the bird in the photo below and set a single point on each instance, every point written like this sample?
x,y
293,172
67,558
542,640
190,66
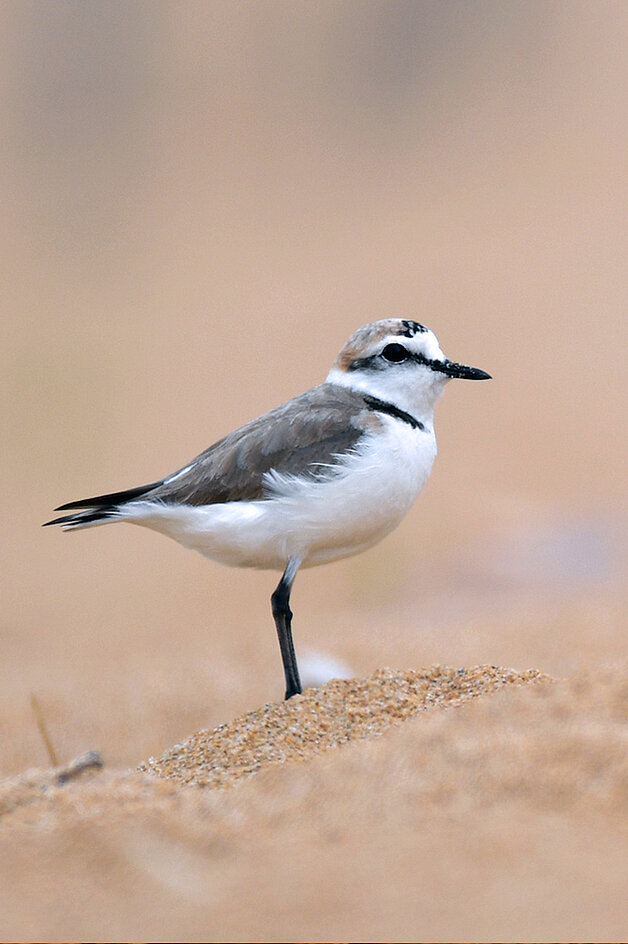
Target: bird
x,y
324,476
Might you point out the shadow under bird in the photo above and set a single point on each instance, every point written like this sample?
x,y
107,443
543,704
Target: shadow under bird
x,y
321,477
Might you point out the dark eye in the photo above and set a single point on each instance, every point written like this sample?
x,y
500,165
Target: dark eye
x,y
395,353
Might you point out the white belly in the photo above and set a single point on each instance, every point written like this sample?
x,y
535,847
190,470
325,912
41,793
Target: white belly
x,y
304,519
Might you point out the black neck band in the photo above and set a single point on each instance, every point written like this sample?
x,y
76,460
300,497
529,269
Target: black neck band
x,y
381,406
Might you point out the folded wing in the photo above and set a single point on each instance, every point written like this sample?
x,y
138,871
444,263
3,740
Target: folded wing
x,y
305,436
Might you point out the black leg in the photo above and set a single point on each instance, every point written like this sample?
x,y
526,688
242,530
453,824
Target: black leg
x,y
280,602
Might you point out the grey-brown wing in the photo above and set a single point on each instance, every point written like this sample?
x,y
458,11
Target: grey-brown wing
x,y
302,437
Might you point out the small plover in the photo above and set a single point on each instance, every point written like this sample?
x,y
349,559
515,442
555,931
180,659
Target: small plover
x,y
324,476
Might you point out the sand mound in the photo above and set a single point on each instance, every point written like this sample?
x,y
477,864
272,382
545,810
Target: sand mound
x,y
324,718
503,819
273,735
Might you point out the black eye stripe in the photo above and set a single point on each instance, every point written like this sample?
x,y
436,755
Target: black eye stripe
x,y
379,362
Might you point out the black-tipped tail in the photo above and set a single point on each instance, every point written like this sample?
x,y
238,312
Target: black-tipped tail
x,y
82,519
113,498
99,509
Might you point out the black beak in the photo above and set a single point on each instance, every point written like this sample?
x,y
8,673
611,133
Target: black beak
x,y
459,370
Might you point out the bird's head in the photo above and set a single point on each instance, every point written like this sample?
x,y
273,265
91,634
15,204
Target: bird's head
x,y
401,362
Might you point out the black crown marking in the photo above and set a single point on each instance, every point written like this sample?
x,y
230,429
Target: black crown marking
x,y
410,328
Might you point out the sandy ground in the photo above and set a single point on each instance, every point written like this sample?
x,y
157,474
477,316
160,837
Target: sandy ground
x,y
201,202
439,805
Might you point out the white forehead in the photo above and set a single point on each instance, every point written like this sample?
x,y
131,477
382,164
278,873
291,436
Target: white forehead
x,y
372,339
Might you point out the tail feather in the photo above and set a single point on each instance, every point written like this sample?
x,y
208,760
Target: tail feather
x,y
113,498
83,519
99,509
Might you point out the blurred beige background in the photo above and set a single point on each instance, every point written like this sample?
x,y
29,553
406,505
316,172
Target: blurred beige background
x,y
201,202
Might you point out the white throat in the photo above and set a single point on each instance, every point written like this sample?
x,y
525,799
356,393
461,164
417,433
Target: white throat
x,y
415,391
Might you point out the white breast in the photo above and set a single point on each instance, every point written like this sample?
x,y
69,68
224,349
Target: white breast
x,y
313,521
